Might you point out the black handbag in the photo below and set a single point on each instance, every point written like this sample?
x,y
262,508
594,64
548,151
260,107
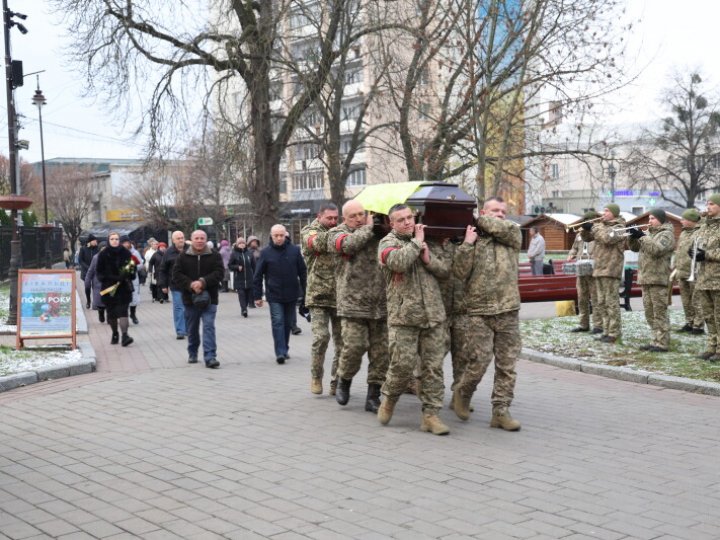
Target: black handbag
x,y
201,300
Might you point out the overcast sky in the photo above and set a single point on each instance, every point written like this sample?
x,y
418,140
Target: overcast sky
x,y
669,34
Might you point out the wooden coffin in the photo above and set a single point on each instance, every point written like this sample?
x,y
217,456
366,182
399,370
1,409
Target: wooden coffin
x,y
444,208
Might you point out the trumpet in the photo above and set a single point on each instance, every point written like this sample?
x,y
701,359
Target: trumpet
x,y
615,232
576,226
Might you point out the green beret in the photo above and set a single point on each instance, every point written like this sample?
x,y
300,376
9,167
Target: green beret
x,y
614,209
691,215
715,197
659,214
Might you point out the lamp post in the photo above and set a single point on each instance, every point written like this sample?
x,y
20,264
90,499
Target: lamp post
x,y
612,172
39,101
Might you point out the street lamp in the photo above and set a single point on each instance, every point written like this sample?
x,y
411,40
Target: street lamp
x,y
39,100
612,171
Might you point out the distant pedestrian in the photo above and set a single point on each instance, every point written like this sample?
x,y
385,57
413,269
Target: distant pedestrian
x,y
242,265
153,266
87,252
283,270
67,258
225,252
536,251
165,282
116,272
197,274
92,279
253,244
127,244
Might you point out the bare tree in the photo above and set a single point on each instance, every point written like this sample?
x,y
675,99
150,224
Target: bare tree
x,y
70,198
471,74
681,156
175,46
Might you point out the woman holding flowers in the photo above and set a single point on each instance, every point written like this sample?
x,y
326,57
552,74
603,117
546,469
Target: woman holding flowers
x,y
116,271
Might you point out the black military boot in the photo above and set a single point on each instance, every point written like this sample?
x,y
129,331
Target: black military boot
x,y
343,391
372,401
133,316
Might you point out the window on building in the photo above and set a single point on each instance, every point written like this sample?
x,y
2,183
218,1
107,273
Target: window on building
x,y
307,180
351,110
354,75
346,145
283,183
357,177
307,151
554,171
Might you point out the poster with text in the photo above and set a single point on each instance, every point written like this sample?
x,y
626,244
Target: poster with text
x,y
46,304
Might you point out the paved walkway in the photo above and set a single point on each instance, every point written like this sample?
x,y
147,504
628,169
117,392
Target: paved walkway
x,y
151,447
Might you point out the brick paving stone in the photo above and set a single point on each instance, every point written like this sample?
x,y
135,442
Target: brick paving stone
x,y
249,452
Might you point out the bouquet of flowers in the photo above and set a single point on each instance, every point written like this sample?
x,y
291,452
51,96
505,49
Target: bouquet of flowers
x,y
126,272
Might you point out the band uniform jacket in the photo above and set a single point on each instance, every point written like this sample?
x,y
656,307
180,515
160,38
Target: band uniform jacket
x,y
413,292
609,251
489,268
656,249
683,262
321,265
360,283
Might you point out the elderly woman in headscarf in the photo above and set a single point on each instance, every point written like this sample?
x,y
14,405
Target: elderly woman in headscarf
x,y
116,270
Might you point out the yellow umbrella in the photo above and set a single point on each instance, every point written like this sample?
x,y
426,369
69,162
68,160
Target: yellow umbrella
x,y
379,198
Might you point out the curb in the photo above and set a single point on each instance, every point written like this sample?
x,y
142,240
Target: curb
x,y
86,365
623,373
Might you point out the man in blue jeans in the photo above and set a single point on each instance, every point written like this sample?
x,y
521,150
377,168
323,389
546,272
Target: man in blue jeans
x,y
283,269
165,282
199,272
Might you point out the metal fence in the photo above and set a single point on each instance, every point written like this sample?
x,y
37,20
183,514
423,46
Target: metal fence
x,y
33,241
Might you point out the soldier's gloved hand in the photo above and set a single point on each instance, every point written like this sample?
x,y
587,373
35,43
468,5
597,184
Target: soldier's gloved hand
x,y
378,227
636,233
302,310
700,255
587,226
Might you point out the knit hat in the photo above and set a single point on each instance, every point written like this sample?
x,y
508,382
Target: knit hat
x,y
162,245
124,238
715,197
659,214
91,237
239,240
224,243
614,209
691,215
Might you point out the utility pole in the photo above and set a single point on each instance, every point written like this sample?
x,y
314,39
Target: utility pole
x,y
13,202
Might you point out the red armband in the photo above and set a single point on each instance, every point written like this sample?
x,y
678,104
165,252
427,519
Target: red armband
x,y
339,242
385,253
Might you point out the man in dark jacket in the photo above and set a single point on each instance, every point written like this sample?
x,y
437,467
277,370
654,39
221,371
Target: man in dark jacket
x,y
199,270
164,278
282,267
85,257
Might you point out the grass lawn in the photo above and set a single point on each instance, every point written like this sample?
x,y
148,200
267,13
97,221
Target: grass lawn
x,y
553,336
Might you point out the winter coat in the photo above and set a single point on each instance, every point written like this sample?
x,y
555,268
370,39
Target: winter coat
x,y
242,264
225,252
489,268
322,265
536,249
284,272
153,266
136,281
709,269
85,258
110,262
360,283
93,282
412,291
192,266
682,258
609,251
656,249
164,276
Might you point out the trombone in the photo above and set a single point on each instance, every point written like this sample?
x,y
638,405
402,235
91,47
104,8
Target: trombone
x,y
576,226
614,232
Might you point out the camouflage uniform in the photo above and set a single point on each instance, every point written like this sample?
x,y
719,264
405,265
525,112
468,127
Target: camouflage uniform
x,y
320,296
587,295
609,257
416,319
361,303
656,249
708,281
489,271
690,301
